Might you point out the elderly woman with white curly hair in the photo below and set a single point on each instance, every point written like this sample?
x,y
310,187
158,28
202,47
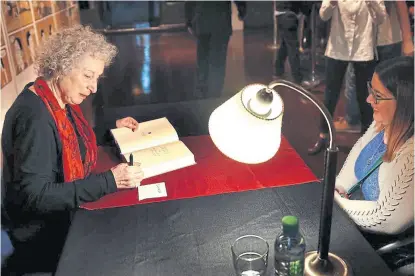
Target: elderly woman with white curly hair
x,y
50,150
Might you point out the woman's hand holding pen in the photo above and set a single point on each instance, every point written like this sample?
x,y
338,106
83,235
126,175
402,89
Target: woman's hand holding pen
x,y
127,176
342,192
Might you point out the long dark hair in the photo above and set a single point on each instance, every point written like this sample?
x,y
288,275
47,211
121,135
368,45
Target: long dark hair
x,y
397,75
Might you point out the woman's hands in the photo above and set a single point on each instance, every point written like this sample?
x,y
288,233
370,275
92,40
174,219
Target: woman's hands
x,y
342,192
127,176
129,122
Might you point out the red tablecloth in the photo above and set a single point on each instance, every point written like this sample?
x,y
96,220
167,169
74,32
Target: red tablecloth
x,y
213,174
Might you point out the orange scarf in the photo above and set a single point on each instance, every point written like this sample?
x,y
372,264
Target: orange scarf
x,y
73,168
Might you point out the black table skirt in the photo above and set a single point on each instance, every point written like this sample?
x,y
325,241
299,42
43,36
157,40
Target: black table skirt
x,y
193,236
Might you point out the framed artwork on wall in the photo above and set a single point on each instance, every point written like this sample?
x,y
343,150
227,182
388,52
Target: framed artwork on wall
x,y
26,24
31,44
42,9
6,75
1,34
17,14
45,28
23,45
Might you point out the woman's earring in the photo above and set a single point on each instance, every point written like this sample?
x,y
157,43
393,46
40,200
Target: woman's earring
x,y
56,82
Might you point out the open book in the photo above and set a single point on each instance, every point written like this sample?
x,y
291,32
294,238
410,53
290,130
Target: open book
x,y
156,145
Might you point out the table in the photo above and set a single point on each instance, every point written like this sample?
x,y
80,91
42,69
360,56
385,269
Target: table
x,y
193,236
214,173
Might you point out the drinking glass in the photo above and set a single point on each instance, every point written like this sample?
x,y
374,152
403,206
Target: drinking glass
x,y
250,255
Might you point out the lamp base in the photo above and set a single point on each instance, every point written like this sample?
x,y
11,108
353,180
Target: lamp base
x,y
334,266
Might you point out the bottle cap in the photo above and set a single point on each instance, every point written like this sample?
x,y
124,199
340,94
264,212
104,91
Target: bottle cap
x,y
290,225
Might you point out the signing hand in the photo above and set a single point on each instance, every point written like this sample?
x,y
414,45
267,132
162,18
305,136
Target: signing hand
x,y
129,122
127,176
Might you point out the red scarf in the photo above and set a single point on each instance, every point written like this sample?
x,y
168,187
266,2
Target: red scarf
x,y
73,168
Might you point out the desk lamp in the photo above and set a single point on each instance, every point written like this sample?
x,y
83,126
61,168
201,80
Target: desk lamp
x,y
247,128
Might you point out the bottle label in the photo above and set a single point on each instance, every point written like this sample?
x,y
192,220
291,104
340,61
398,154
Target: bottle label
x,y
296,268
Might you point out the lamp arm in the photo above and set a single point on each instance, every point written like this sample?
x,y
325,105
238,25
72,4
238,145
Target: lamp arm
x,y
315,101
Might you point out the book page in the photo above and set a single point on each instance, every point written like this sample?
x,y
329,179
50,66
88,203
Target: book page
x,y
149,134
163,158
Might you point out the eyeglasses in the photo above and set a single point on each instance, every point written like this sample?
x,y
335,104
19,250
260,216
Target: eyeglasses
x,y
374,94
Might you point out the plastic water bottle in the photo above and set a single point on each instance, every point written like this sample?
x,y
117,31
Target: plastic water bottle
x,y
289,249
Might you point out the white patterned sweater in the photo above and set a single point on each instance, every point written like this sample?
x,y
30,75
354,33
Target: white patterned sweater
x,y
393,212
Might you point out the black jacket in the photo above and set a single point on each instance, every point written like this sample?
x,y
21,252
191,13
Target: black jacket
x,y
37,204
211,17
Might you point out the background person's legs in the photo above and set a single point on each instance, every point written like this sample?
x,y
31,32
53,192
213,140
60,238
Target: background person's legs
x,y
287,27
335,71
202,73
364,72
280,60
352,109
218,49
281,54
351,121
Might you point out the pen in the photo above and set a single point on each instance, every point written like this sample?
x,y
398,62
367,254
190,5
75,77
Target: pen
x,y
131,160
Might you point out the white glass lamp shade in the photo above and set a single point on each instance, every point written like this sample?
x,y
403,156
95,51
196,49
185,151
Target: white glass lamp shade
x,y
243,135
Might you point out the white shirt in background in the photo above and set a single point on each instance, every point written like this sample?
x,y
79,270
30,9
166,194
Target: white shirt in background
x,y
353,28
389,32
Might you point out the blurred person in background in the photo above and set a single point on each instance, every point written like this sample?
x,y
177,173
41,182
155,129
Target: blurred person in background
x,y
394,38
211,23
287,23
352,40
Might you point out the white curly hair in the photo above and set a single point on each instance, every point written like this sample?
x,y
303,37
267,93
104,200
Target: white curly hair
x,y
62,51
